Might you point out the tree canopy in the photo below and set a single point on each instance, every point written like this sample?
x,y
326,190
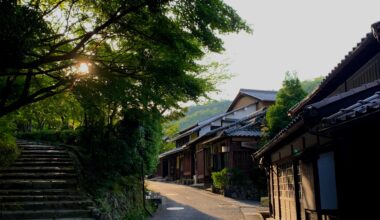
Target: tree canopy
x,y
145,50
290,94
109,70
309,85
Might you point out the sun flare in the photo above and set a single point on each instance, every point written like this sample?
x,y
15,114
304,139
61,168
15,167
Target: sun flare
x,y
83,68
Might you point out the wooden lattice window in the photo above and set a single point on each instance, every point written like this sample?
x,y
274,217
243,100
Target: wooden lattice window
x,y
287,191
286,180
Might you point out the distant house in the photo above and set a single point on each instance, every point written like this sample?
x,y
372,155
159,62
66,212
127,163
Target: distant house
x,y
320,166
234,133
245,97
229,146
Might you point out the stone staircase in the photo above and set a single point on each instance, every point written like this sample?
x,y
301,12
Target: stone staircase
x,y
42,184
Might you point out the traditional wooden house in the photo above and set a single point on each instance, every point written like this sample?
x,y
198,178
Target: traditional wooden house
x,y
230,146
320,165
187,161
260,98
178,163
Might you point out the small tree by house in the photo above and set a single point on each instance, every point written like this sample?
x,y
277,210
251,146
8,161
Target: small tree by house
x,y
290,94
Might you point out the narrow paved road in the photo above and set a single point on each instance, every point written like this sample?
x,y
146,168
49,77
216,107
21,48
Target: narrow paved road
x,y
185,202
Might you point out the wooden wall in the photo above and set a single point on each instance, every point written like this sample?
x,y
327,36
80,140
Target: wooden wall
x,y
366,74
244,101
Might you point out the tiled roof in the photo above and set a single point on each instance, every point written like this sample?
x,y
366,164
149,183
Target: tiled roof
x,y
203,123
375,85
262,95
369,39
248,128
253,118
360,108
233,129
244,132
325,107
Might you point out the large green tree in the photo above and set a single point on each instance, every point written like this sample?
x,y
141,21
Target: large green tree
x,y
151,46
290,94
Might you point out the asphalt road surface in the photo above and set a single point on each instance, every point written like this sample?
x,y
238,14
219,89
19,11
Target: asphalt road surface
x,y
182,202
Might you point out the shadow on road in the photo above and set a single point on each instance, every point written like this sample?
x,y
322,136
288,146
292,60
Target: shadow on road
x,y
171,210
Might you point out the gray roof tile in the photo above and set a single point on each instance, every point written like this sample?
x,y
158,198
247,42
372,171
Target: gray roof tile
x,y
360,108
369,103
244,133
205,122
262,95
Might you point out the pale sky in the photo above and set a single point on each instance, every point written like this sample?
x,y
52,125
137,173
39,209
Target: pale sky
x,y
309,37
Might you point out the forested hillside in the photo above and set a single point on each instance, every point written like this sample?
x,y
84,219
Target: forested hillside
x,y
197,113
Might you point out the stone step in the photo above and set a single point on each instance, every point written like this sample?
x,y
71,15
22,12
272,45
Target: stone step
x,y
44,214
31,143
68,219
40,147
43,163
25,142
25,152
39,198
37,183
42,184
39,169
28,159
44,156
38,192
46,205
45,175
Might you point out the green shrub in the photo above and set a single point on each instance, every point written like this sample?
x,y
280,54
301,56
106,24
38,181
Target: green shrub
x,y
228,177
220,179
8,152
8,148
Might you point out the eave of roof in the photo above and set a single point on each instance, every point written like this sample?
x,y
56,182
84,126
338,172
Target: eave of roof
x,y
361,108
172,151
292,127
360,92
246,131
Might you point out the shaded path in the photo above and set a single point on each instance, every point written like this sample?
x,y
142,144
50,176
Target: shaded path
x,y
190,203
